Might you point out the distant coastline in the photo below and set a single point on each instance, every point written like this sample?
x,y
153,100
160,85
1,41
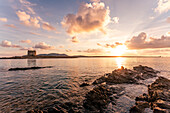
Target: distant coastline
x,y
44,57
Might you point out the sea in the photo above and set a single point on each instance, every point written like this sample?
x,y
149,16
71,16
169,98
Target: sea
x,y
21,91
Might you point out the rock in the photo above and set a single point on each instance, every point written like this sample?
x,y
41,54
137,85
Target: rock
x,y
28,68
84,84
97,99
158,97
124,75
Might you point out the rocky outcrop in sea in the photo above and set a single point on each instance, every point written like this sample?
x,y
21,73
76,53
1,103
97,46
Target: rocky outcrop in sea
x,y
107,91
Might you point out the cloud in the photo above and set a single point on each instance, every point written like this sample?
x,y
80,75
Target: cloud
x,y
168,34
26,48
10,25
115,20
26,4
43,45
34,33
163,6
48,27
99,44
110,45
27,20
22,16
25,41
95,0
3,19
141,42
68,50
6,43
74,40
61,46
90,17
92,51
168,20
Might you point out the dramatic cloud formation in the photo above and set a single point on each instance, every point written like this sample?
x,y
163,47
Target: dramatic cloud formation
x,y
168,20
27,19
141,42
110,45
25,41
3,19
6,43
74,40
48,27
43,45
92,51
163,6
90,17
115,20
10,25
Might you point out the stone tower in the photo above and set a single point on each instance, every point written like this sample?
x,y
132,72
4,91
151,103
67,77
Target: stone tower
x,y
31,53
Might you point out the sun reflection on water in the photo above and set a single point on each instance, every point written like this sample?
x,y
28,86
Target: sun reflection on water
x,y
120,61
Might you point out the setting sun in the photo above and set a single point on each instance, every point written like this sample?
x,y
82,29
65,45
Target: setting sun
x,y
119,50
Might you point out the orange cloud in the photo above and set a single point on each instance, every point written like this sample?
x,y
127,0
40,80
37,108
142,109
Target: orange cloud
x,y
168,20
110,45
25,41
6,43
90,17
48,27
43,45
3,19
74,40
92,51
68,50
27,20
26,48
140,42
10,25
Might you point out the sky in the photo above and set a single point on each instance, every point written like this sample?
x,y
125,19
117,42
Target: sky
x,y
85,27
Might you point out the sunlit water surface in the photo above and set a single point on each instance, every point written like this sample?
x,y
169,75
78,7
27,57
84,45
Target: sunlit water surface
x,y
25,90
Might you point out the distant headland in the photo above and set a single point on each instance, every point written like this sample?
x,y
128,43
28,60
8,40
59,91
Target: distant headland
x,y
31,54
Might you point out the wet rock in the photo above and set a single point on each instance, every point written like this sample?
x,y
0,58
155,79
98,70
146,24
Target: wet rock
x,y
84,84
158,97
124,75
97,99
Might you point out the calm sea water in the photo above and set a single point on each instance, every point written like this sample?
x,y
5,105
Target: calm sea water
x,y
25,90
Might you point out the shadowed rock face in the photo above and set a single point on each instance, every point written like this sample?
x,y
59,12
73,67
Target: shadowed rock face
x,y
158,98
97,99
124,75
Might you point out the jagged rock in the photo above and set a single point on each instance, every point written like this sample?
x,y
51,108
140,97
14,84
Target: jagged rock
x,y
124,75
97,99
158,96
84,84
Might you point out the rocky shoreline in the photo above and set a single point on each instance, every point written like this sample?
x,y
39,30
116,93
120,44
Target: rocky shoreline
x,y
105,93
